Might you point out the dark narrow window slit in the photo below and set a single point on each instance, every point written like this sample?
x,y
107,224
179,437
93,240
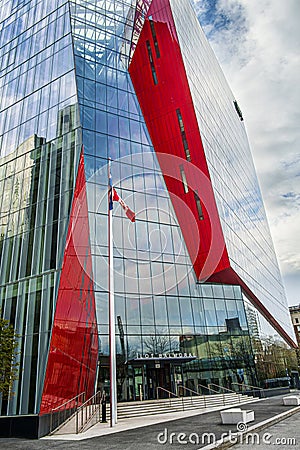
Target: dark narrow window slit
x,y
198,204
183,135
238,110
156,47
184,180
150,55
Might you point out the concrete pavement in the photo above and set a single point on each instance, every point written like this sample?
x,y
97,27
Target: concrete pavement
x,y
193,432
283,435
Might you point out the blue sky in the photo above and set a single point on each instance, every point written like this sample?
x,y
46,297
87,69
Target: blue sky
x,y
257,44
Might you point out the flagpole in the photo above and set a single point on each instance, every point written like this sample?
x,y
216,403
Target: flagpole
x,y
112,330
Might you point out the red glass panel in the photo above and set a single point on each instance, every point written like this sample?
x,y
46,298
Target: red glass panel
x,y
169,113
73,353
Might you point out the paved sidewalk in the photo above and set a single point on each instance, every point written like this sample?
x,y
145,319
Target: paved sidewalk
x,y
283,435
166,435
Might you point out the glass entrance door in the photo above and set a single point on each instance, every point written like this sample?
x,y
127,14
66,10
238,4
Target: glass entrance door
x,y
139,383
158,377
177,379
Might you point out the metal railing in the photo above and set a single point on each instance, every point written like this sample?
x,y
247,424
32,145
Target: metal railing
x,y
64,412
89,410
180,386
185,389
205,397
180,398
212,390
252,388
206,388
225,389
159,388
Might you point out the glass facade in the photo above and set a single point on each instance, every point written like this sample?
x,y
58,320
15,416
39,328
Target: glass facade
x,y
40,147
187,340
231,167
65,86
154,283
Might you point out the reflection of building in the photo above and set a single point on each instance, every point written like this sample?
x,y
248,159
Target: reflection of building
x,y
229,352
200,246
253,322
295,316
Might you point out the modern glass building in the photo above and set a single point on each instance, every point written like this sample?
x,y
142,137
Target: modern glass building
x,y
135,81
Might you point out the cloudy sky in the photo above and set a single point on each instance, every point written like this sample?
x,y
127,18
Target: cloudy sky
x,y
257,43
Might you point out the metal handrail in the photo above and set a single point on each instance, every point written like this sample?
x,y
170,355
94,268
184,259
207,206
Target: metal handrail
x,y
188,389
249,385
165,390
222,387
69,401
210,389
191,396
255,388
225,389
88,410
197,393
213,390
59,410
207,387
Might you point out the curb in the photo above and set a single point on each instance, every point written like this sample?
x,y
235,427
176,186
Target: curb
x,y
225,443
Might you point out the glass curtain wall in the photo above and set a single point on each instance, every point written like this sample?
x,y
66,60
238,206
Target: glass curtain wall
x,y
159,307
231,168
64,64
40,144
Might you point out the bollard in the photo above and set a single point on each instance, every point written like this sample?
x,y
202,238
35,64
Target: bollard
x,y
103,409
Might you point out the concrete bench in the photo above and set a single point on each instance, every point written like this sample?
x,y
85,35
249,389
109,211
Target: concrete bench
x,y
291,400
236,415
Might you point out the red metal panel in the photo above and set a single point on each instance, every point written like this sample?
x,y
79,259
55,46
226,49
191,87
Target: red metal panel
x,y
72,359
159,103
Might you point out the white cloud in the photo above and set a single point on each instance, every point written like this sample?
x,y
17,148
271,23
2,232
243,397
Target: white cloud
x,y
257,43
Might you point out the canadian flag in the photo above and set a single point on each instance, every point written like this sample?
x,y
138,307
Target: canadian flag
x,y
116,198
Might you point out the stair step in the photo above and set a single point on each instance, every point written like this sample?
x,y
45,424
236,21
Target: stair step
x,y
144,408
164,406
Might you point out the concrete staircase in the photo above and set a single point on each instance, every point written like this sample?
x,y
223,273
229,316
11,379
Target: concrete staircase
x,y
152,407
144,408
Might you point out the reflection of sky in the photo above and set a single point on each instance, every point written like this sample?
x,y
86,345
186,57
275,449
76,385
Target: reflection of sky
x,y
113,126
40,82
147,250
232,171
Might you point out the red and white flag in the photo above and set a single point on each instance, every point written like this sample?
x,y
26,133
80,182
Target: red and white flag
x,y
129,213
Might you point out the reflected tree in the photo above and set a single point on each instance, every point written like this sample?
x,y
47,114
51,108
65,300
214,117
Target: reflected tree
x,y
274,358
160,343
8,363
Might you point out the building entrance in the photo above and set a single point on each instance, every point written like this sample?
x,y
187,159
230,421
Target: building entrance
x,y
152,381
158,381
